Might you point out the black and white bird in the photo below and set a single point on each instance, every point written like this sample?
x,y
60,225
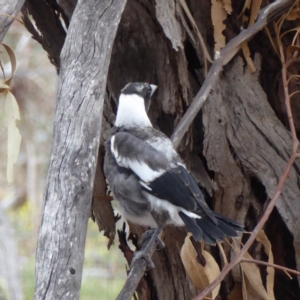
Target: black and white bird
x,y
148,178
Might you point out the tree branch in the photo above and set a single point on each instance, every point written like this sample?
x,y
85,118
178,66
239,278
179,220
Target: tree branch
x,y
137,270
259,262
226,54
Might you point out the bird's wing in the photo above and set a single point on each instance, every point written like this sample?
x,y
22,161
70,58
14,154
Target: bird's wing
x,y
159,176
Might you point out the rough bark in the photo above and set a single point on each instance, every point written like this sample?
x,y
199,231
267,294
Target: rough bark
x,y
9,10
236,147
84,63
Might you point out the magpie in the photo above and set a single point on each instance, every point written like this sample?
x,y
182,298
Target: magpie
x,y
149,179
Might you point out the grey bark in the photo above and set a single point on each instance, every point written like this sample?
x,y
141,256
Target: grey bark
x,y
10,8
84,64
238,119
266,14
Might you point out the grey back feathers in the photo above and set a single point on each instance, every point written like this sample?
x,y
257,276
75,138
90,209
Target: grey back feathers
x,y
148,178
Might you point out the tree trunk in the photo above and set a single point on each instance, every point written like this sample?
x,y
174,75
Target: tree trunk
x,y
84,63
236,148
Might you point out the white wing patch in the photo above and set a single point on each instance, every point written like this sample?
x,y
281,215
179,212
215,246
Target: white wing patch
x,y
145,185
141,169
159,205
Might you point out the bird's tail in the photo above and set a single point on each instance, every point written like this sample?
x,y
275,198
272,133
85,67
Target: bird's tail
x,y
211,232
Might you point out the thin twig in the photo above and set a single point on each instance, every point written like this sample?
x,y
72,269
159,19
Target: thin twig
x,y
226,54
279,188
13,17
259,262
256,230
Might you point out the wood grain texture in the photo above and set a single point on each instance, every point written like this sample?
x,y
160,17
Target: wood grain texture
x,y
84,64
240,124
9,8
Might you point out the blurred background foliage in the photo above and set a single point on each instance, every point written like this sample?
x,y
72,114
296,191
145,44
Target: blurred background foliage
x,y
34,87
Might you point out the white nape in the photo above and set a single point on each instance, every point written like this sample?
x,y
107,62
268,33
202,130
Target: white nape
x,y
131,112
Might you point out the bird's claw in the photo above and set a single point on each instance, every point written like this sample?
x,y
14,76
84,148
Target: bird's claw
x,y
143,254
147,235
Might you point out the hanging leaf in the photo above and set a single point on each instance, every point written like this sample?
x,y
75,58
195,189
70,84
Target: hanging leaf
x,y
291,50
13,115
247,5
262,238
14,136
227,6
252,280
218,16
248,291
246,52
200,276
236,292
293,15
255,7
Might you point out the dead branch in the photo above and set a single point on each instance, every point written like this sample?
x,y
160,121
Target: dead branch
x,y
137,270
263,263
226,54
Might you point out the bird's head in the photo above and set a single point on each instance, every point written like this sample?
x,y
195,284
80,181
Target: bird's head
x,y
141,89
134,102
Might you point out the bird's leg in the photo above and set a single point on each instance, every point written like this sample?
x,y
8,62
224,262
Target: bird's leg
x,y
146,247
147,235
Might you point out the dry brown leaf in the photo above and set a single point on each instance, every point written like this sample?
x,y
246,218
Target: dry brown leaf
x,y
262,238
248,58
223,255
255,7
249,292
236,293
252,277
291,50
200,276
293,15
12,115
227,6
247,5
218,16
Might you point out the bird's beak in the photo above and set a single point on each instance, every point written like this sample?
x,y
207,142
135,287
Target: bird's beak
x,y
153,89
